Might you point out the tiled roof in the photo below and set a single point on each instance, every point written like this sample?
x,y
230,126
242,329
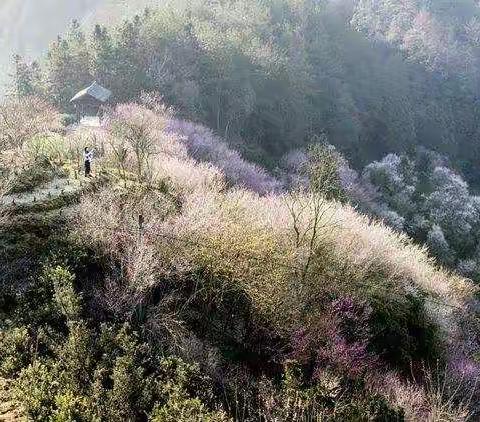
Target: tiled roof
x,y
94,90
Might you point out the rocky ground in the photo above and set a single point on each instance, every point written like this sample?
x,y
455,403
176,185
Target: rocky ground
x,y
9,409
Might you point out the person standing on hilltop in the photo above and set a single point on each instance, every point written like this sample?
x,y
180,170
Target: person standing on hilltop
x,y
88,157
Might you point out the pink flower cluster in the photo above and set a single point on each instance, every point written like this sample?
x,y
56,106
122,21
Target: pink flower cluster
x,y
204,145
339,340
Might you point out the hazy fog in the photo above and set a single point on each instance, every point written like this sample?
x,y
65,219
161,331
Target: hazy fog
x,y
28,26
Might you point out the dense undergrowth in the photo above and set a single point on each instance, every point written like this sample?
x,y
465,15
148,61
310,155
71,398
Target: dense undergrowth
x,y
171,290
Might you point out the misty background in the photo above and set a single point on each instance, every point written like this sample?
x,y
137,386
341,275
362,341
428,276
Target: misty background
x,y
27,27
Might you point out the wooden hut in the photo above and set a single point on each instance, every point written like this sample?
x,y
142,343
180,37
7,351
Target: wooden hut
x,y
88,101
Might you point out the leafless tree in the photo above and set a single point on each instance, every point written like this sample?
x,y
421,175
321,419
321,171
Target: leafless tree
x,y
24,118
310,215
133,128
311,209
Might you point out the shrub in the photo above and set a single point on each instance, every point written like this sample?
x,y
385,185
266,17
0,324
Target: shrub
x,y
439,245
338,340
66,298
36,388
374,408
70,407
182,409
347,340
68,119
329,399
34,174
323,171
48,148
127,387
37,306
439,398
107,373
15,350
405,334
61,387
75,359
24,118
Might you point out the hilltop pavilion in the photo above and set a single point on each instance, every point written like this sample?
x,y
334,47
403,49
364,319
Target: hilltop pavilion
x,y
89,101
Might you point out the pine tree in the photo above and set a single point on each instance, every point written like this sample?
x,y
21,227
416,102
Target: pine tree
x,y
104,66
26,78
68,66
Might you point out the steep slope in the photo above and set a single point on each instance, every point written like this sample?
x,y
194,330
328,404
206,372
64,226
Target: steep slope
x,y
181,286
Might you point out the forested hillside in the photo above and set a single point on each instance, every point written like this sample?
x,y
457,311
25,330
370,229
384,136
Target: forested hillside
x,y
371,78
182,283
375,77
282,222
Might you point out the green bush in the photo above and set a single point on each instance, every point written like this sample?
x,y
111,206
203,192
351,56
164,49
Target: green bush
x,y
38,172
66,299
108,374
72,408
15,351
183,409
405,333
52,298
129,382
36,388
36,306
68,119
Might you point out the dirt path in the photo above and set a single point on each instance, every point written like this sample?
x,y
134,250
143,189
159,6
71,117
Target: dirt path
x,y
45,193
9,410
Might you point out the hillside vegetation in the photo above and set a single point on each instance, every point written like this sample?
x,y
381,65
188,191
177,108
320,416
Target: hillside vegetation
x,y
374,76
183,283
283,223
392,85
